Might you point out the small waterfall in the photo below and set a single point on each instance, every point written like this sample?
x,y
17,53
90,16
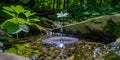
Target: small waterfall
x,y
50,33
1,45
61,41
34,58
61,31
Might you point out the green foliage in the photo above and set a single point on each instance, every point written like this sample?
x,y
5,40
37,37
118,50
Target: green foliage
x,y
11,23
21,17
3,15
18,49
85,11
10,27
7,39
24,28
28,13
13,10
111,56
113,28
22,49
116,31
46,5
12,50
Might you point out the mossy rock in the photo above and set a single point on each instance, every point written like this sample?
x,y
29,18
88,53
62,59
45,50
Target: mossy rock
x,y
118,40
102,29
98,24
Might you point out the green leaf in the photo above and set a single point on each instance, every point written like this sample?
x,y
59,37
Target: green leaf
x,y
28,13
34,20
8,8
24,28
10,27
13,9
22,21
18,9
19,20
9,13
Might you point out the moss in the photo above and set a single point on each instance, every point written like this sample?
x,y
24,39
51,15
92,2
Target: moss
x,y
94,24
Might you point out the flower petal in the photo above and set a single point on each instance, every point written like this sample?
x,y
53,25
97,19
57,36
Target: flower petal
x,y
61,14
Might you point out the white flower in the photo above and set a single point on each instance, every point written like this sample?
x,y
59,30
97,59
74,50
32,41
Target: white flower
x,y
61,14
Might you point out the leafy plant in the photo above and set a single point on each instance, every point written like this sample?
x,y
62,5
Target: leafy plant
x,y
18,49
116,31
22,49
20,22
3,16
85,11
13,10
6,39
10,30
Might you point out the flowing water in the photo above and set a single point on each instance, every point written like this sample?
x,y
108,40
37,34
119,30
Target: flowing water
x,y
59,42
80,50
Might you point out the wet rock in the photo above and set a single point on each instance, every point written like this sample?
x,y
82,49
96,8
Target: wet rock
x,y
10,56
94,28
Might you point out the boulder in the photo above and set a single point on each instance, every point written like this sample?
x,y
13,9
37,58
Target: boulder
x,y
98,24
10,56
97,29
